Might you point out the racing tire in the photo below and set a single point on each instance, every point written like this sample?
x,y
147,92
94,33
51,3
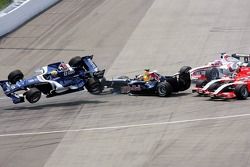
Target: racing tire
x,y
15,76
184,78
184,83
94,86
33,95
76,62
200,83
212,74
241,92
185,70
164,89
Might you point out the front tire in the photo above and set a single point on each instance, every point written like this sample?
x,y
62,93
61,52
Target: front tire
x,y
33,95
76,62
15,76
241,92
164,89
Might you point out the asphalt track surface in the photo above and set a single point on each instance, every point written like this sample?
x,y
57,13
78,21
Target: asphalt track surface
x,y
119,130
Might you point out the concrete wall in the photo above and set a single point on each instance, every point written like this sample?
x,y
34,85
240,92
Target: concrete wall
x,y
21,11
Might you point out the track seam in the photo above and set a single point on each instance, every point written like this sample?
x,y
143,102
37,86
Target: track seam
x,y
126,126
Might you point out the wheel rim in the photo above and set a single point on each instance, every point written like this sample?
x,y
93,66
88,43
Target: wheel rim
x,y
244,92
214,74
162,90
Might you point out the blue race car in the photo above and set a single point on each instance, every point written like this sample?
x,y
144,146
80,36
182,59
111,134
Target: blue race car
x,y
55,79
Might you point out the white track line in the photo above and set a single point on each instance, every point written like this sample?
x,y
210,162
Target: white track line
x,y
126,126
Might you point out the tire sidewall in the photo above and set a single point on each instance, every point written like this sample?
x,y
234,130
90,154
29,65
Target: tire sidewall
x,y
241,92
94,86
244,92
212,74
33,95
164,89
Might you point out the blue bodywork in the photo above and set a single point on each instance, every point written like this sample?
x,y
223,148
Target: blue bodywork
x,y
178,83
48,83
150,87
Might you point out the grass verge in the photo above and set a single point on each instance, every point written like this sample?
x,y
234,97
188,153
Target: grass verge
x,y
4,3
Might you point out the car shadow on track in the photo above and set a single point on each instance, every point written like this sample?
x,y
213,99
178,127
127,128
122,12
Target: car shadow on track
x,y
180,94
53,105
156,96
207,98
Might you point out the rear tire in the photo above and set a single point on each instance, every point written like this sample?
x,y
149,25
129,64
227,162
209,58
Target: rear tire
x,y
15,76
184,83
185,70
241,92
33,95
164,89
76,62
94,86
212,74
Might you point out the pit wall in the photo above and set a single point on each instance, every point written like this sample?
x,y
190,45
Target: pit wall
x,y
20,11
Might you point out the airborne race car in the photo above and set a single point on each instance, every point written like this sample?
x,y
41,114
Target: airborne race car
x,y
225,66
55,79
158,85
227,87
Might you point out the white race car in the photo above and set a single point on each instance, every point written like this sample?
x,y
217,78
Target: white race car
x,y
225,66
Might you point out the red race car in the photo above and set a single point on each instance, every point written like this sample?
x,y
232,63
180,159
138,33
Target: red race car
x,y
237,86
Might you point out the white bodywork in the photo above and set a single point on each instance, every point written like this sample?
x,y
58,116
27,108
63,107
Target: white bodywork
x,y
226,66
57,87
215,81
226,85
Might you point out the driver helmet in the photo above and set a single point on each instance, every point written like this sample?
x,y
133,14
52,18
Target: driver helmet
x,y
146,75
63,67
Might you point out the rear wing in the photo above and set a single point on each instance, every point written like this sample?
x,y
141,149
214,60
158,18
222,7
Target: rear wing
x,y
91,67
89,64
246,57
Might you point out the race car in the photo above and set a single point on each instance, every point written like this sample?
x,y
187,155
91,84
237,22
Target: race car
x,y
157,84
225,66
54,79
237,86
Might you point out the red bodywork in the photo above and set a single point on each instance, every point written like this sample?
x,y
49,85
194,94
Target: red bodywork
x,y
200,73
242,77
